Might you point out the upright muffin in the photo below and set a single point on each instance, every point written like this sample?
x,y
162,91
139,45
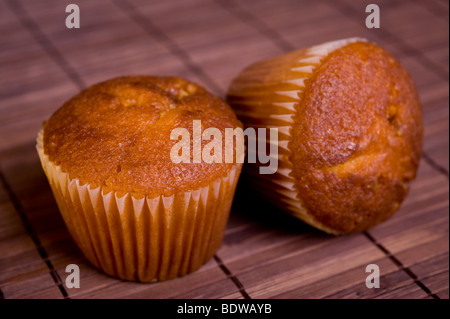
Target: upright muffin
x,y
350,132
134,212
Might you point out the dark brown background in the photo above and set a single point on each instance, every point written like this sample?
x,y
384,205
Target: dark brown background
x,y
265,254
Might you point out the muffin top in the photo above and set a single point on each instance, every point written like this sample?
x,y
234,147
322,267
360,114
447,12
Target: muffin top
x,y
116,134
357,138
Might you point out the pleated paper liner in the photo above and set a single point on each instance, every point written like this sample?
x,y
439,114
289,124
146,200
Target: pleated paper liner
x,y
267,95
143,239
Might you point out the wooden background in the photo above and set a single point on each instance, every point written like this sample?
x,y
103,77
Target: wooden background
x,y
265,253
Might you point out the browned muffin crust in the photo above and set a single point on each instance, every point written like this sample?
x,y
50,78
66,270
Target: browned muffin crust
x,y
357,138
116,134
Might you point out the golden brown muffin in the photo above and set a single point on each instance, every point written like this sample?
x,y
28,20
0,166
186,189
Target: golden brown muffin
x,y
350,132
135,213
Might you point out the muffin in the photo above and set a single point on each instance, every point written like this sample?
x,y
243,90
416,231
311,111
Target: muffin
x,y
135,213
349,132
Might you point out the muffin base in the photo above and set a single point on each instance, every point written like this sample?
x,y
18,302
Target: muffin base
x,y
143,239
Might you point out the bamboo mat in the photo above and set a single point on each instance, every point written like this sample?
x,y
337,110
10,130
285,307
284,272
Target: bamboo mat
x,y
265,253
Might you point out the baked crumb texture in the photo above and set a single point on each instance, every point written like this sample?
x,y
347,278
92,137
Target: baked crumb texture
x,y
116,134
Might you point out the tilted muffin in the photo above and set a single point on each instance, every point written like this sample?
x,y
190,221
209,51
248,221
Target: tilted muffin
x,y
133,212
350,132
